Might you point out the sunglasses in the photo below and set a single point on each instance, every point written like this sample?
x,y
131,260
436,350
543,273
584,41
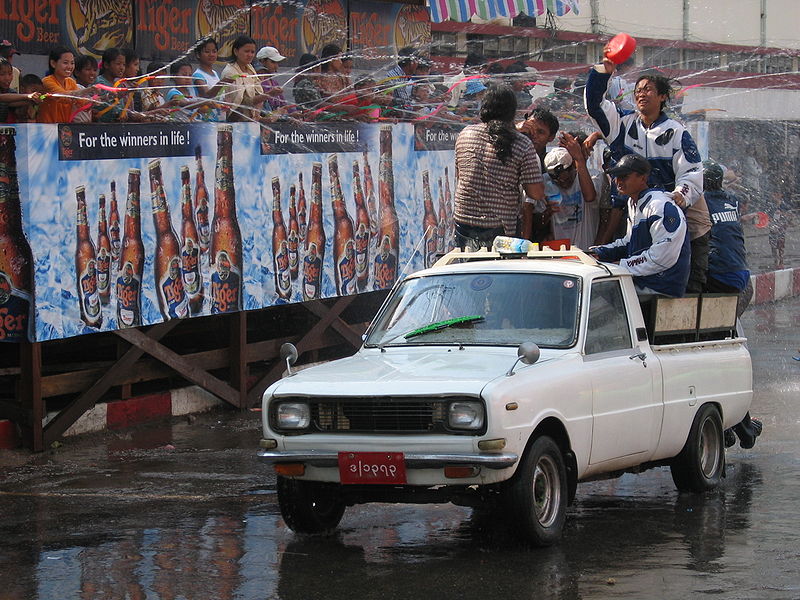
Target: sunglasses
x,y
557,171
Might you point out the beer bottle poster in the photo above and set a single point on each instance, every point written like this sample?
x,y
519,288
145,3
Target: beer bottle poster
x,y
355,232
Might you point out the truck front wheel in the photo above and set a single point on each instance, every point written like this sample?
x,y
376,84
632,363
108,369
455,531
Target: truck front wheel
x,y
701,463
309,506
537,497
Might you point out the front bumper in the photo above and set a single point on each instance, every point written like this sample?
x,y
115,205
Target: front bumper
x,y
327,458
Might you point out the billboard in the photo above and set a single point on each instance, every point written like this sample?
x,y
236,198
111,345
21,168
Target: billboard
x,y
137,224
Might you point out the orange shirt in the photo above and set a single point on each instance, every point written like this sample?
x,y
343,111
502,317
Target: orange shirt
x,y
57,110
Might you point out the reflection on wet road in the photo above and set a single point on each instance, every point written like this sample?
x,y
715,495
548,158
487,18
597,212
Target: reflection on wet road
x,y
186,511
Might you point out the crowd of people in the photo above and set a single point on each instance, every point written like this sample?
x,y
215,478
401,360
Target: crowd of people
x,y
252,86
577,203
647,209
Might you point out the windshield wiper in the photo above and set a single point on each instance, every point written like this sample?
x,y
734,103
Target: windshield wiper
x,y
442,325
431,327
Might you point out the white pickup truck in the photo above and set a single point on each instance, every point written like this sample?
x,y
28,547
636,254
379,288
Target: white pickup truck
x,y
504,380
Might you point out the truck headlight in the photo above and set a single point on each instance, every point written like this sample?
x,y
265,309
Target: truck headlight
x,y
465,415
292,415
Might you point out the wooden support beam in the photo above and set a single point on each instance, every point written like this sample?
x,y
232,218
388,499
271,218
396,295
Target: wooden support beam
x,y
308,341
56,428
342,328
238,356
125,390
31,391
148,369
181,365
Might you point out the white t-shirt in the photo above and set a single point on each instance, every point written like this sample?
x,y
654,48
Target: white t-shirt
x,y
211,79
577,220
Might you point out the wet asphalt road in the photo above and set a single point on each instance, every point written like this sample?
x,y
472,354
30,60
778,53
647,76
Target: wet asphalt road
x,y
185,510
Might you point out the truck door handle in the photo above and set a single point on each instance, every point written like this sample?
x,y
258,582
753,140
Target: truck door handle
x,y
642,356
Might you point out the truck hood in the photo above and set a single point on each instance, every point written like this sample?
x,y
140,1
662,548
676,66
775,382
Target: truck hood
x,y
407,372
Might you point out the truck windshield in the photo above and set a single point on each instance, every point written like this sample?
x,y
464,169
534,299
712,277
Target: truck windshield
x,y
514,308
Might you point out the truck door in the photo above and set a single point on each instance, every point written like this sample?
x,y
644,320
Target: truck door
x,y
626,410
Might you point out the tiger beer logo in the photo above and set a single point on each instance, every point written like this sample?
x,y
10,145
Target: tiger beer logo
x,y
294,242
128,297
173,296
94,25
412,27
362,248
312,273
282,279
14,312
103,266
190,266
385,265
221,19
225,285
347,270
323,23
89,297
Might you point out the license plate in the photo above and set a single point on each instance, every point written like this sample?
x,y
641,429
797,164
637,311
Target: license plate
x,y
372,467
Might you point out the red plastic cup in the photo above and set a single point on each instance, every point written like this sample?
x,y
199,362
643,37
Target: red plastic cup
x,y
762,220
619,48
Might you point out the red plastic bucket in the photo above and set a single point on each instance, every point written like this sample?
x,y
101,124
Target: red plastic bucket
x,y
619,48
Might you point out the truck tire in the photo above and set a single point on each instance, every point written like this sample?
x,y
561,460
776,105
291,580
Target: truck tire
x,y
309,506
537,496
701,464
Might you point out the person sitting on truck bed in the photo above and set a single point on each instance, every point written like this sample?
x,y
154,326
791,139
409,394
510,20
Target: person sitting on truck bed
x,y
655,249
727,259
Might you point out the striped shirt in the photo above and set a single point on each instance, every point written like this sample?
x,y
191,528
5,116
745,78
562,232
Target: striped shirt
x,y
488,191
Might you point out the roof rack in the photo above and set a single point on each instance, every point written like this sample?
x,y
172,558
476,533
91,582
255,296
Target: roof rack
x,y
536,252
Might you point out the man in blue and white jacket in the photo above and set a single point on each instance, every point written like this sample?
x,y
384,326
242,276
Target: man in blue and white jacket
x,y
675,162
676,165
655,249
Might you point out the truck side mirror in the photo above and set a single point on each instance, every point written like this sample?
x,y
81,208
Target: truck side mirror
x,y
289,354
527,353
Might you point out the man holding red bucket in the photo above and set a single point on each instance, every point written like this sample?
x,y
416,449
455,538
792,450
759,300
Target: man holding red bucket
x,y
676,165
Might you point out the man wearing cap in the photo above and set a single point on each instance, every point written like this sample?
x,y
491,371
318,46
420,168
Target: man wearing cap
x,y
655,249
569,188
269,58
7,51
727,259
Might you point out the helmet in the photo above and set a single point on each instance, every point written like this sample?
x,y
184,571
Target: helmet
x,y
712,175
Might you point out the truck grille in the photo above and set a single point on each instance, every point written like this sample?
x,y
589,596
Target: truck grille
x,y
379,415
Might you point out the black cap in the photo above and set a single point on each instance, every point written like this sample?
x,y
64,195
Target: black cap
x,y
630,163
712,175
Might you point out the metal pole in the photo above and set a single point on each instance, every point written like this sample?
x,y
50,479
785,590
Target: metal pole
x,y
595,15
685,20
763,23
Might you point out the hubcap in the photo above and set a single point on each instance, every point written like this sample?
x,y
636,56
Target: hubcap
x,y
546,491
710,442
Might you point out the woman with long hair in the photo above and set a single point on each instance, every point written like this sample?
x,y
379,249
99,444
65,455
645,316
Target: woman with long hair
x,y
492,161
243,86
